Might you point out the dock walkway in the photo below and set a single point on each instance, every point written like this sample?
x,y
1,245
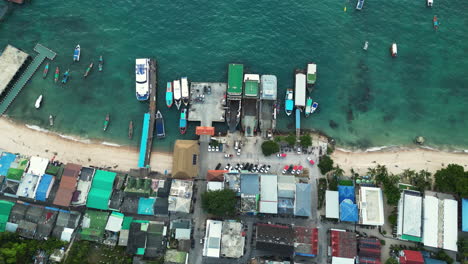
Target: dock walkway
x,y
298,124
43,53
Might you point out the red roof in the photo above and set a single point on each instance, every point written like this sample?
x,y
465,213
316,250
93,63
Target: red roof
x,y
215,175
343,244
205,130
67,185
411,257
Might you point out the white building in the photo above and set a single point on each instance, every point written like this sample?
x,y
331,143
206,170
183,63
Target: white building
x,y
268,194
410,216
212,245
37,165
371,206
332,206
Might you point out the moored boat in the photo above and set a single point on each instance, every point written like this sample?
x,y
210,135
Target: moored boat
x,y
177,93
46,70
106,122
66,75
234,95
289,102
57,74
141,78
359,4
185,90
436,22
429,3
101,63
311,75
88,70
76,53
394,50
183,121
314,107
308,109
366,45
300,89
249,120
51,120
38,102
130,130
160,130
169,95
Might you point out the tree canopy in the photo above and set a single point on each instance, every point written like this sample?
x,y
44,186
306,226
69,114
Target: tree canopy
x,y
325,164
220,202
452,179
269,147
290,139
306,141
389,182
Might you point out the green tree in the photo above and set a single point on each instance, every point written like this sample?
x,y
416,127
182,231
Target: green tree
x,y
421,180
290,139
338,171
391,261
325,164
392,219
306,141
219,203
269,147
442,255
278,139
452,179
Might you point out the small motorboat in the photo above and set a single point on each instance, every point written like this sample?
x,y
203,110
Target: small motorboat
x,y
169,95
101,62
51,120
394,50
66,75
314,107
46,70
106,122
57,74
308,109
160,131
183,121
366,45
38,102
436,22
360,4
88,70
76,54
429,3
130,130
289,103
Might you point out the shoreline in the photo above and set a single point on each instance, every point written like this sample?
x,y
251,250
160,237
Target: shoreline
x,y
32,140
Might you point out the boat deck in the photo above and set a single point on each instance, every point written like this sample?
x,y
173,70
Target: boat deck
x,y
207,107
250,116
43,53
266,116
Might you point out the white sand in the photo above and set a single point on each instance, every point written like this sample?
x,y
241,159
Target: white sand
x,y
18,138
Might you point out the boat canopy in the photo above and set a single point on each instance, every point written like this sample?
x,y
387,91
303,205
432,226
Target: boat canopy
x,y
300,89
235,73
289,105
269,87
183,122
251,85
185,89
311,73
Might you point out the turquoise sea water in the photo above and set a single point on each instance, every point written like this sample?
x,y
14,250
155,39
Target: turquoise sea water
x,y
366,98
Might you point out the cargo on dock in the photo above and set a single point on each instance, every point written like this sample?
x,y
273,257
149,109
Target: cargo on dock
x,y
268,97
234,95
250,103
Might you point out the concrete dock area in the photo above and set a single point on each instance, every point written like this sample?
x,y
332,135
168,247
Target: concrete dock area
x,y
207,103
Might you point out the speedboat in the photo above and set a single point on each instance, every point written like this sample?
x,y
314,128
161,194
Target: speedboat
x,y
106,122
366,45
289,103
57,74
183,121
101,62
76,54
169,95
51,120
160,131
394,50
436,22
429,3
88,70
314,107
360,4
177,93
46,70
66,75
308,109
38,102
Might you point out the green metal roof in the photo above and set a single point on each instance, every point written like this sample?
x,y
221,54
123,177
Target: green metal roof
x,y
235,75
101,190
97,224
5,209
411,238
15,174
127,222
251,89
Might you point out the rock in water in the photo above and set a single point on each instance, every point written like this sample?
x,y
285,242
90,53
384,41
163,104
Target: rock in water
x,y
420,140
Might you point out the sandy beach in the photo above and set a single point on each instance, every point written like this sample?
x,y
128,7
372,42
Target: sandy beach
x,y
17,138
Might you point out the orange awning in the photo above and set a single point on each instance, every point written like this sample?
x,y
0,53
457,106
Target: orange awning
x,y
205,130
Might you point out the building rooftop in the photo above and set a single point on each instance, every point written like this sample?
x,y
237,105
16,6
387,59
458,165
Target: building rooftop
x,y
212,245
410,216
27,187
371,206
101,190
215,175
286,186
268,194
232,241
250,184
303,201
306,241
332,207
343,244
185,159
275,239
37,165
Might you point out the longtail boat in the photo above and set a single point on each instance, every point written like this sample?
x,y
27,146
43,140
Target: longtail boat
x,y
57,74
46,70
101,62
66,75
130,130
106,122
88,70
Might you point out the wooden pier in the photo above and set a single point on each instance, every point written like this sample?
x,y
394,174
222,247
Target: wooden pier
x,y
152,109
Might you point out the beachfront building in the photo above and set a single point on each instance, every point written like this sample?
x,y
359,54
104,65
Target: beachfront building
x,y
332,206
5,210
27,186
37,165
185,161
67,187
348,206
83,187
409,225
101,190
43,188
343,246
370,201
465,214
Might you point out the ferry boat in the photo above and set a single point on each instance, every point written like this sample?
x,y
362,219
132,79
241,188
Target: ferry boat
x,y
308,109
183,121
359,4
46,70
169,95
436,22
130,130
142,76
289,102
366,45
394,50
66,75
38,102
101,63
311,75
185,90
76,53
234,95
51,120
160,131
106,122
268,99
57,74
300,89
250,101
177,93
429,3
88,70
314,107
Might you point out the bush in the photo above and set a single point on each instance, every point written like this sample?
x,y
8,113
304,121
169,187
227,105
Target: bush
x,y
220,203
306,141
392,219
290,139
452,179
269,147
382,242
325,164
442,255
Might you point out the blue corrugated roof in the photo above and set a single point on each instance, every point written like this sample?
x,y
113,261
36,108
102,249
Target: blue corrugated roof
x,y
5,162
433,261
346,192
303,205
41,193
250,184
144,140
348,211
146,206
465,215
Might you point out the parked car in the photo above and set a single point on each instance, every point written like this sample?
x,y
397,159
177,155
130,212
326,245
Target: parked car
x,y
285,169
299,170
281,155
238,152
236,144
294,169
299,150
218,166
209,148
227,166
290,168
267,169
217,148
310,160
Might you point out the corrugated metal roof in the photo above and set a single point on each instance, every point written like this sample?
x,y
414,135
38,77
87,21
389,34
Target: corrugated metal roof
x,y
431,220
465,215
450,224
101,190
269,87
332,207
303,203
235,74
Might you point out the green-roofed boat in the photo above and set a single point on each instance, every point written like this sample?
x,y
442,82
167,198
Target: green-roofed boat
x,y
311,75
250,102
234,95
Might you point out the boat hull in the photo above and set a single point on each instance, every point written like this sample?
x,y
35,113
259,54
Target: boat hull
x,y
77,53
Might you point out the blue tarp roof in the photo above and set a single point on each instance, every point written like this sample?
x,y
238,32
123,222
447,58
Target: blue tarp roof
x,y
250,184
303,204
5,162
346,192
465,215
41,193
433,261
146,206
348,211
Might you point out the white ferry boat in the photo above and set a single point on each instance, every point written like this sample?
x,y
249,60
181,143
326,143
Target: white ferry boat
x,y
177,93
142,79
185,90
